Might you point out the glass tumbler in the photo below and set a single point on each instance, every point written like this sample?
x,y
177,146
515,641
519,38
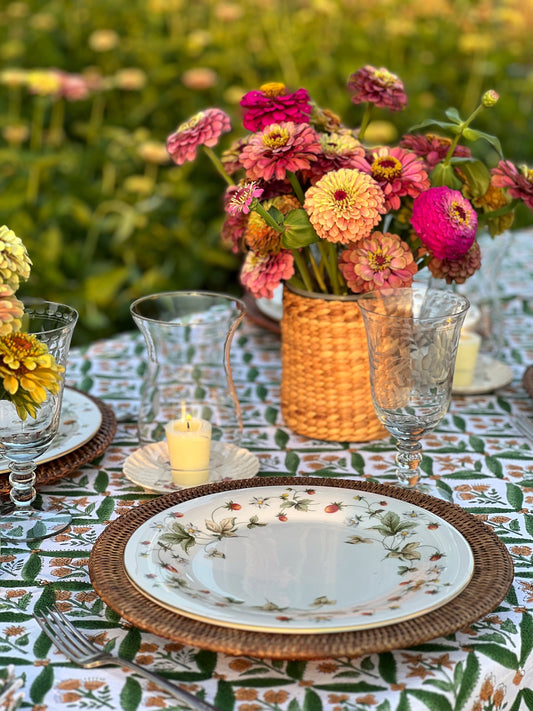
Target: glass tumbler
x,y
188,336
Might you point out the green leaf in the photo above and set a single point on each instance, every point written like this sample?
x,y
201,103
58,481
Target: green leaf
x,y
469,680
528,519
459,422
131,694
526,630
404,704
445,175
293,705
432,123
296,670
358,463
435,702
477,176
42,646
206,661
477,444
105,509
312,701
131,644
32,568
101,482
292,462
281,438
299,232
499,654
225,697
515,496
271,415
387,667
495,466
527,695
42,685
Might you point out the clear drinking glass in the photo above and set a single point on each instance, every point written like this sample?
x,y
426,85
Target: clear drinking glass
x,y
24,441
188,337
412,335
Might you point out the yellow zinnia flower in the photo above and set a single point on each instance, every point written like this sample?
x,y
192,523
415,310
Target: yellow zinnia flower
x,y
27,372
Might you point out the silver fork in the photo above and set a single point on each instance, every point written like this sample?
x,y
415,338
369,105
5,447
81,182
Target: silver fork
x,y
80,650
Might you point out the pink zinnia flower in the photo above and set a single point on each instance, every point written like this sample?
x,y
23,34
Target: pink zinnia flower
x,y
519,183
433,149
445,222
339,150
344,205
234,226
242,198
262,274
379,87
273,105
203,129
281,147
378,262
397,172
11,310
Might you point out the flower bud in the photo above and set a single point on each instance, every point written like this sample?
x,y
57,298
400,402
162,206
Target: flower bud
x,y
489,98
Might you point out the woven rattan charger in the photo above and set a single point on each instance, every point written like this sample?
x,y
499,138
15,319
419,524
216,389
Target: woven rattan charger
x,y
493,575
56,469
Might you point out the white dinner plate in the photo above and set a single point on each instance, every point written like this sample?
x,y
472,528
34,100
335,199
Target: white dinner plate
x,y
489,375
273,308
298,559
149,466
80,421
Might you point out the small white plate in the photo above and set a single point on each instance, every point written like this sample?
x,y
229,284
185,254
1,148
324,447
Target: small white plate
x,y
273,308
489,375
149,466
80,421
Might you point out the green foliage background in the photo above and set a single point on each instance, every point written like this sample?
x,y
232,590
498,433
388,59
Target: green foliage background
x,y
104,224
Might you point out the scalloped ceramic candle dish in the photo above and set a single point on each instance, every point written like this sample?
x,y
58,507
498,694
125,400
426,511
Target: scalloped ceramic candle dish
x,y
298,559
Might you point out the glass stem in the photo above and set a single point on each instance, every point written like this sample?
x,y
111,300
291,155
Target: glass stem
x,y
408,459
22,480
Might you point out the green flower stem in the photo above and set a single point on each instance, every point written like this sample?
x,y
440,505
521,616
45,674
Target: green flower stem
x,y
215,160
316,271
37,124
267,217
97,116
369,108
295,183
334,270
325,260
302,268
459,134
55,133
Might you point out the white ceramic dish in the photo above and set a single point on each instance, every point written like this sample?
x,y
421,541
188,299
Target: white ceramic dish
x,y
149,466
273,308
80,421
490,374
298,559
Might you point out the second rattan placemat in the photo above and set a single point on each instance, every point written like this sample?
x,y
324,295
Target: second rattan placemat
x,y
493,575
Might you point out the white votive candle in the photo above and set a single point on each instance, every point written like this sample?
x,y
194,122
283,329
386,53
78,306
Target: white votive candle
x,y
189,449
465,363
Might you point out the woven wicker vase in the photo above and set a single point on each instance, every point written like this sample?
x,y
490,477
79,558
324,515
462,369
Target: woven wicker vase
x,y
325,382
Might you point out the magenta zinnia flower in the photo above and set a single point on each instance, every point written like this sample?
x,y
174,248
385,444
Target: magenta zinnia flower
x,y
344,205
397,172
379,87
242,198
203,129
273,105
445,222
261,274
281,147
519,183
378,262
433,149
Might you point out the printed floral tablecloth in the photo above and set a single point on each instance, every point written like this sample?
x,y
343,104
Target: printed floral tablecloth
x,y
476,458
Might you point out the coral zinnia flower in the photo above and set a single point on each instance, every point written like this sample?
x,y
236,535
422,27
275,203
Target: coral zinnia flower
x,y
344,205
203,129
339,150
11,310
519,183
271,104
15,263
27,372
458,270
432,148
379,87
281,147
262,274
445,222
378,262
398,172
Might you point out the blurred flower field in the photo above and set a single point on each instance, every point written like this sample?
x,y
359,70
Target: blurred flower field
x,y
90,89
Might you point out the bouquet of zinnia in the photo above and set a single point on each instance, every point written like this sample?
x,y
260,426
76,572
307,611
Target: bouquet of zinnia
x,y
310,203
27,370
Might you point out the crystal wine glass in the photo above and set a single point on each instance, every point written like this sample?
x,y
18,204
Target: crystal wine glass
x,y
412,335
23,441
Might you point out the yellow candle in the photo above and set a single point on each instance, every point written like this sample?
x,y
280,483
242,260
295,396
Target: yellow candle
x,y
189,448
465,363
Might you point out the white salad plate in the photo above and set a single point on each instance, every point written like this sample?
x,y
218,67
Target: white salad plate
x,y
273,308
80,421
149,466
489,375
298,559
